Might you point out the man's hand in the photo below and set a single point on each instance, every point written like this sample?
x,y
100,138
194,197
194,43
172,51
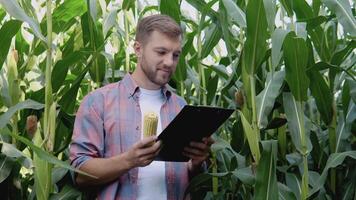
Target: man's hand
x,y
198,152
142,153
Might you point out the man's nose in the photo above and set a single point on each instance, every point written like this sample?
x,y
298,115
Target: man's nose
x,y
168,60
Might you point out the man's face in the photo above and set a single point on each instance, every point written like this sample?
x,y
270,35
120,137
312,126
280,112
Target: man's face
x,y
158,58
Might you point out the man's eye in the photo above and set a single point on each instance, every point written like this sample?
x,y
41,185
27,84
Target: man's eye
x,y
176,55
161,52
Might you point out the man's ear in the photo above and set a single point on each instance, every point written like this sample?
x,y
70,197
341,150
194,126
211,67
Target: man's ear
x,y
138,49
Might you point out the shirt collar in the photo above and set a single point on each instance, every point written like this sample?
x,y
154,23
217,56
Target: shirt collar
x,y
133,88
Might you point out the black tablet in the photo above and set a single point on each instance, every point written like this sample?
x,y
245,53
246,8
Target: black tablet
x,y
191,124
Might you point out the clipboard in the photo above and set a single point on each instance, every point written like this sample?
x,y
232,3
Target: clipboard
x,y
191,124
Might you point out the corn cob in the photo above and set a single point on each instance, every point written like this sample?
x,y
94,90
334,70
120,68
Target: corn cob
x,y
150,124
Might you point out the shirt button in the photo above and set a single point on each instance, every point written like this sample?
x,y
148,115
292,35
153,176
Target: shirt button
x,y
137,128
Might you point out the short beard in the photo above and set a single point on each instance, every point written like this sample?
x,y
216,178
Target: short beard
x,y
151,75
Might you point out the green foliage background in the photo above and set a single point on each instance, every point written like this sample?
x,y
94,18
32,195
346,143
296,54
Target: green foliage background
x,y
286,66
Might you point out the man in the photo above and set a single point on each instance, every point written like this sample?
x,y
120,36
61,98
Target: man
x,y
107,139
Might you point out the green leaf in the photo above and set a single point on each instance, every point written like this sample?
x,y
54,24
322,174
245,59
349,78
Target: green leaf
x,y
265,100
109,22
64,15
237,15
277,42
266,180
68,192
93,9
67,10
60,69
343,130
170,8
295,123
196,182
200,5
334,160
256,36
245,175
252,138
2,14
8,31
285,193
212,37
339,56
287,5
66,102
322,94
14,9
294,183
27,104
128,4
47,157
11,151
342,9
270,7
6,165
296,58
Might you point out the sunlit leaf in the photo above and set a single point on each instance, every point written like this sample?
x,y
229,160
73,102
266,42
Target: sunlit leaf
x,y
265,100
342,9
14,9
237,15
27,104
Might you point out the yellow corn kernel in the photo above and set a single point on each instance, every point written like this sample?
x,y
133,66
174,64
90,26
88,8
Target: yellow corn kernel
x,y
150,124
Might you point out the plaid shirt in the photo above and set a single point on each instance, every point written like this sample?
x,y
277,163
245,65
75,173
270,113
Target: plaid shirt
x,y
108,123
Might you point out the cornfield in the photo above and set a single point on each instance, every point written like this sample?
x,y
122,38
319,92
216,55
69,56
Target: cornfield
x,y
286,66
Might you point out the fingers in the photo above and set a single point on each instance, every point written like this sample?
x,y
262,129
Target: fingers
x,y
145,142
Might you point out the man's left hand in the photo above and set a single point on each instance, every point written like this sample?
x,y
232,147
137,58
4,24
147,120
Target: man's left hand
x,y
198,152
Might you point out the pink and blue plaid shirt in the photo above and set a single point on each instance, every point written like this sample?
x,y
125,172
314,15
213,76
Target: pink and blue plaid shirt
x,y
108,123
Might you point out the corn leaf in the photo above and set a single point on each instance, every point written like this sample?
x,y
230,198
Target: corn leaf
x,y
237,15
266,180
109,22
265,100
170,8
6,165
270,7
287,5
212,37
12,152
67,192
322,94
14,9
8,31
256,36
285,193
296,57
27,104
343,130
294,183
252,138
342,9
45,156
295,123
334,160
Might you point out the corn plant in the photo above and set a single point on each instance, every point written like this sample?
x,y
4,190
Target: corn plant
x,y
286,66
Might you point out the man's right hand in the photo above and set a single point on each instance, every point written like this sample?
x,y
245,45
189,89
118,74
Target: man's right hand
x,y
143,152
140,154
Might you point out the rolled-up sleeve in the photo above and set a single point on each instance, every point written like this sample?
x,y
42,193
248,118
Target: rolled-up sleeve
x,y
88,134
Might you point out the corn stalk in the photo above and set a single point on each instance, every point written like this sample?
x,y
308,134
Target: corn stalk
x,y
43,169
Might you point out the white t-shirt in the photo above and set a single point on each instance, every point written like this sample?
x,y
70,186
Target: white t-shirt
x,y
152,179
